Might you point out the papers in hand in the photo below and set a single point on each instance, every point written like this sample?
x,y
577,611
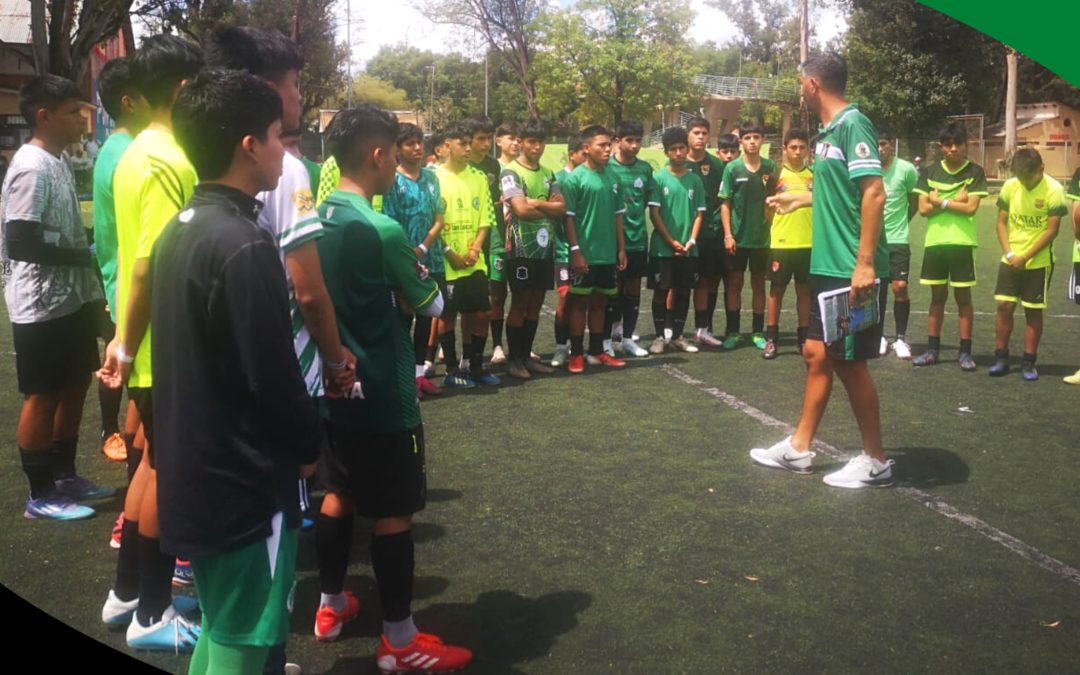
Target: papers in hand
x,y
841,319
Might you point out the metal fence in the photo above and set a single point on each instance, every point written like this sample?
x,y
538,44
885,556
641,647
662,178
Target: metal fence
x,y
749,88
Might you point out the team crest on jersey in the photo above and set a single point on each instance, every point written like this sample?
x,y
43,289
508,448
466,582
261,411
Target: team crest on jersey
x,y
690,193
522,273
1039,203
667,191
776,266
542,237
765,179
639,183
186,215
476,202
705,168
862,150
304,201
497,263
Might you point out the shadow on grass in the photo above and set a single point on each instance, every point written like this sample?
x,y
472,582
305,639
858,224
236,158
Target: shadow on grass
x,y
928,467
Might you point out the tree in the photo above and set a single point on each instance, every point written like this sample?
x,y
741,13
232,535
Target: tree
x,y
65,31
377,92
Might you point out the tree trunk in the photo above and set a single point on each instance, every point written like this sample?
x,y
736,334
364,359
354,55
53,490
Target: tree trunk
x,y
39,31
1010,107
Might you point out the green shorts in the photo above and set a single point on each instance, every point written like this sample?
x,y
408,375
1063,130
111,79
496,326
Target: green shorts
x,y
246,595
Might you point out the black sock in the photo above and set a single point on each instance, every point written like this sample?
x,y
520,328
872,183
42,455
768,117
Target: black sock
x,y
476,365
531,326
733,316
1029,358
679,312
333,541
965,346
134,458
631,307
801,333
577,345
109,402
38,467
63,452
713,295
562,333
758,323
772,333
659,311
429,355
596,344
515,337
1001,353
448,342
127,562
155,580
394,565
421,334
701,318
934,343
275,661
496,333
901,312
612,312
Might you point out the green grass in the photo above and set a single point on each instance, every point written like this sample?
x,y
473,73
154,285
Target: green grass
x,y
613,522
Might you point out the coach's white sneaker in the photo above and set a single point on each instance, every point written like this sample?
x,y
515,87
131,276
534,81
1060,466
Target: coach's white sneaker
x,y
884,347
860,472
902,349
783,456
559,358
631,348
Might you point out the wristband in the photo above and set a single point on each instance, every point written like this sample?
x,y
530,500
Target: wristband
x,y
122,356
337,365
1010,255
422,247
448,248
575,247
690,242
729,238
944,204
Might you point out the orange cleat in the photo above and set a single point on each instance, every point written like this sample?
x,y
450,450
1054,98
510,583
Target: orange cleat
x,y
425,654
610,361
577,364
328,623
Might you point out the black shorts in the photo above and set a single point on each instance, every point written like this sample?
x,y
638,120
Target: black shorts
x,y
59,353
382,473
563,274
602,279
1028,287
899,262
859,347
143,399
468,294
710,254
528,274
756,258
637,265
788,263
950,264
678,272
106,327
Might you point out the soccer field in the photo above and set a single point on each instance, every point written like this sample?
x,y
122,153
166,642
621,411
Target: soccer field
x,y
614,522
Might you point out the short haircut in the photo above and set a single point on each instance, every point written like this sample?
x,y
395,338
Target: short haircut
x,y
953,132
355,132
675,136
114,83
591,132
407,131
796,135
696,122
215,111
260,51
435,140
1026,161
160,64
828,68
533,129
628,128
45,91
479,125
884,133
575,143
460,131
507,128
727,142
750,127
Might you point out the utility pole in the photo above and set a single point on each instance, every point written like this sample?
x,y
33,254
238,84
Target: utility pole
x,y
1010,105
804,31
486,52
348,47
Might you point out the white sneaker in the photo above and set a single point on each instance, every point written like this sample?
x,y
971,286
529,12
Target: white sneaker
x,y
685,345
783,456
902,349
497,355
631,348
862,471
172,633
884,346
592,360
703,337
657,346
562,353
609,348
116,612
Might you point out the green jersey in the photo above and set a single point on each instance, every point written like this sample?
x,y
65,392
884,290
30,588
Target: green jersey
x,y
846,151
637,187
945,227
562,249
1029,214
681,199
491,169
528,238
746,191
711,171
1072,191
370,270
467,209
900,180
105,213
593,200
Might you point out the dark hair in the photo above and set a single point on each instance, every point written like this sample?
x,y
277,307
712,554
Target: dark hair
x,y
1026,161
727,142
478,125
436,139
533,129
953,131
460,131
355,132
750,127
160,64
591,132
260,51
796,135
215,111
575,143
507,128
674,136
114,82
407,131
696,122
828,68
45,91
884,133
628,128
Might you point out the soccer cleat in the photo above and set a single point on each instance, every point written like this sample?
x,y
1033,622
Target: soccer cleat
x,y
55,506
113,447
1072,379
732,341
616,332
292,669
1000,367
1028,372
967,362
117,612
429,369
576,364
902,349
328,622
172,633
884,348
783,456
705,339
610,361
631,348
684,345
861,472
498,355
307,524
486,378
117,530
657,346
609,347
425,654
769,353
78,489
927,358
183,575
458,381
562,353
517,369
427,387
538,367
759,340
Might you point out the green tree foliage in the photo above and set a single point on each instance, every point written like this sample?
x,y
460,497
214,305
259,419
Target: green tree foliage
x,y
377,92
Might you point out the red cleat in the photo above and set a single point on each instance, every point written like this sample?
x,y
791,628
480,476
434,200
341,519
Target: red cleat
x,y
610,361
425,654
577,364
328,623
427,387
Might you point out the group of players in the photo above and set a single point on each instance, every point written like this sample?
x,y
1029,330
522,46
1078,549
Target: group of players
x,y
206,228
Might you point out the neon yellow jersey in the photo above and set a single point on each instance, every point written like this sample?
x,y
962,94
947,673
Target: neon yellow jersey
x,y
1029,212
795,229
329,178
1073,192
945,228
152,182
467,209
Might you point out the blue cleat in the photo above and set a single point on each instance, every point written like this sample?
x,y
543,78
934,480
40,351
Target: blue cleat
x,y
79,489
1029,373
183,575
458,381
172,633
487,378
55,506
1000,367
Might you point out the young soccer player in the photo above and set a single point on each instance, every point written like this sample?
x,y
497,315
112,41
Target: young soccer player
x,y
791,237
594,230
747,182
677,208
375,464
849,204
949,195
710,169
1073,193
635,178
222,337
54,300
901,205
480,158
468,217
575,157
415,203
508,140
1030,208
534,204
152,182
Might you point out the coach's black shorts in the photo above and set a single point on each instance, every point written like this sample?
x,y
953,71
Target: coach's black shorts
x,y
529,274
788,263
143,399
382,473
899,262
637,265
59,353
859,347
949,264
468,294
711,254
756,258
602,279
1026,286
678,272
